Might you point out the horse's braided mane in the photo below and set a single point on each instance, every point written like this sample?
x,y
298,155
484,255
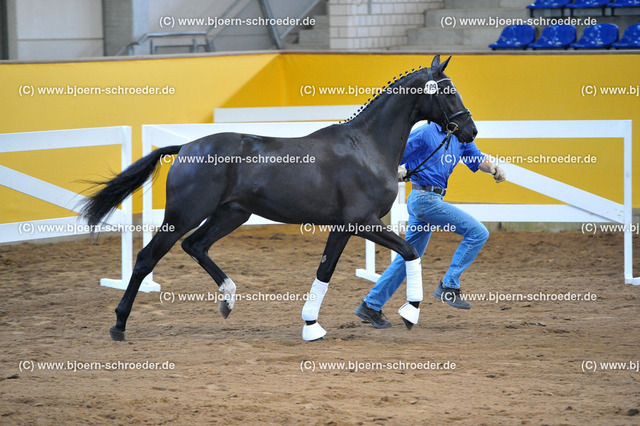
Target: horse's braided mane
x,y
382,90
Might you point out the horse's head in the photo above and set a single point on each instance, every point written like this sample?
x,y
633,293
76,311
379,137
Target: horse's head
x,y
442,103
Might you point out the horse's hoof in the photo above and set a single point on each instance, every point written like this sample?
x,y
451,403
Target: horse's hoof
x,y
407,324
318,339
116,335
224,308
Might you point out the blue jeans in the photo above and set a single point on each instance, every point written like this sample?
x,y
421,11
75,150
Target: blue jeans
x,y
426,211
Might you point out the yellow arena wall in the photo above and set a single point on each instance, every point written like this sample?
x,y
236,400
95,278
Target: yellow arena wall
x,y
493,87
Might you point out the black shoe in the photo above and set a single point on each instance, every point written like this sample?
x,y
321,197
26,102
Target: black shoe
x,y
376,318
451,296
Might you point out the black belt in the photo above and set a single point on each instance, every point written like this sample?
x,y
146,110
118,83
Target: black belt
x,y
429,188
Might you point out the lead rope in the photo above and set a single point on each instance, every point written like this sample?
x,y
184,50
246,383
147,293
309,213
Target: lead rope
x,y
417,169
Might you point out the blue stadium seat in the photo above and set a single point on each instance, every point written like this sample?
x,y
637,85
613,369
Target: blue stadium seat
x,y
630,39
588,4
515,37
624,3
548,4
599,36
555,37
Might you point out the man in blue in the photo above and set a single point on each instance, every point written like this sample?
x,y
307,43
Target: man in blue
x,y
427,210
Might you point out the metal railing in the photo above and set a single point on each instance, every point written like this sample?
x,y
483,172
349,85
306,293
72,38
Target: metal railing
x,y
214,31
153,36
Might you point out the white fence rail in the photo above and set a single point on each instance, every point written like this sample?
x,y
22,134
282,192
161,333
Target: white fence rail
x,y
284,114
61,197
581,206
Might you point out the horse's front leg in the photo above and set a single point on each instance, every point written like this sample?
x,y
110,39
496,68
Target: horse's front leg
x,y
332,251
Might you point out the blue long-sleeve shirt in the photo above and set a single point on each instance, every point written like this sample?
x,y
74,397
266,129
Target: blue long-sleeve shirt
x,y
436,171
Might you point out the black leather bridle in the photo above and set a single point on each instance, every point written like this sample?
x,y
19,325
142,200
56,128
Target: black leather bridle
x,y
448,119
450,126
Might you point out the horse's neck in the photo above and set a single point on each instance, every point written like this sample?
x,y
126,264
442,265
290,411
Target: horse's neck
x,y
387,123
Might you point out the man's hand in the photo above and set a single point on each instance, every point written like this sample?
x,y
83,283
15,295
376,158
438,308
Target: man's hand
x,y
498,174
496,171
402,171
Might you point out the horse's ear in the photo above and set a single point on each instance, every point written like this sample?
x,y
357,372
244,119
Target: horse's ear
x,y
435,62
443,65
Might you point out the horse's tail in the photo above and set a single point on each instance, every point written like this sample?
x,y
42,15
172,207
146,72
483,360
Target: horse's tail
x,y
120,187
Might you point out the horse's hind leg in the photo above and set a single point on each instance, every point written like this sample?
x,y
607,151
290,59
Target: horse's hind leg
x,y
332,252
146,260
221,223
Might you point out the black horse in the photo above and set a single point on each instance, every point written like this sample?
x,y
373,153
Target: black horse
x,y
353,181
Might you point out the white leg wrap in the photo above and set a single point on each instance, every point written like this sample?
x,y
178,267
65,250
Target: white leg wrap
x,y
314,300
410,313
228,290
414,280
312,332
